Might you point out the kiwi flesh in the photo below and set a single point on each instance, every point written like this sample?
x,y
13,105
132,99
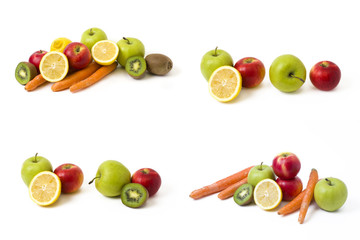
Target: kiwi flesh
x,y
134,195
25,72
244,194
158,64
136,67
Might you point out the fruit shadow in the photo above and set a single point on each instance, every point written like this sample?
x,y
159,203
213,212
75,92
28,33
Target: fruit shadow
x,y
271,210
246,93
65,198
152,201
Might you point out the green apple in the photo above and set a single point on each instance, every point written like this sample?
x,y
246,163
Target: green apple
x,y
33,166
214,59
92,36
111,176
129,47
330,194
287,73
260,172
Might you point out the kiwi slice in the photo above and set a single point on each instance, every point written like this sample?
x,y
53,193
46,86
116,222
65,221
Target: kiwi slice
x,y
25,72
136,66
158,64
134,195
244,194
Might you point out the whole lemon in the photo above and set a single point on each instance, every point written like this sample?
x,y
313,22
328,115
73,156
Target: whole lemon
x,y
59,44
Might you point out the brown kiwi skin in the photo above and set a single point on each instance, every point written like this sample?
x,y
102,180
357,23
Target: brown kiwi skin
x,y
158,64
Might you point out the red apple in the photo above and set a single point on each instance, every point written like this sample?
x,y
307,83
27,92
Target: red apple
x,y
290,188
252,71
78,54
71,177
286,165
325,75
36,57
149,178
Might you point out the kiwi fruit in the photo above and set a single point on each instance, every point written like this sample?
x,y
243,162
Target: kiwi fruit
x,y
136,67
158,64
244,194
25,72
134,195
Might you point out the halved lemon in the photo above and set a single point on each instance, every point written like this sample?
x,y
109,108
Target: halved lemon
x,y
54,66
267,194
45,188
105,52
225,83
59,44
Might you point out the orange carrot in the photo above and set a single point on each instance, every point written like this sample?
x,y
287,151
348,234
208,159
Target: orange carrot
x,y
220,185
229,191
293,205
75,77
93,78
35,83
309,193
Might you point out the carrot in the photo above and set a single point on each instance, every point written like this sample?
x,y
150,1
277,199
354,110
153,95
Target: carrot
x,y
36,82
229,191
93,78
220,185
293,205
309,193
75,77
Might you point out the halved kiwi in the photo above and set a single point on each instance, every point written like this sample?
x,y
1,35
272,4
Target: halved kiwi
x,y
134,195
244,194
136,67
25,72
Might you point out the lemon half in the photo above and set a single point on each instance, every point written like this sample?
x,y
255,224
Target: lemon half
x,y
225,83
45,188
54,66
105,52
267,194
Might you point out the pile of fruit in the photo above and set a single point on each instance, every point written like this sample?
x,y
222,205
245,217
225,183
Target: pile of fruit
x,y
112,179
46,185
287,73
78,65
268,186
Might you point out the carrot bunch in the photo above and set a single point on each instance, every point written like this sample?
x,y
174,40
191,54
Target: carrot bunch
x,y
226,187
75,81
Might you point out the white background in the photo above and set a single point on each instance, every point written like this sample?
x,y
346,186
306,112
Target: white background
x,y
172,124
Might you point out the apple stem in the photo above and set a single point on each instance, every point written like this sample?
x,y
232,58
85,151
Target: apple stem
x,y
261,167
249,60
91,32
128,41
292,75
328,181
324,64
35,158
93,179
215,51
